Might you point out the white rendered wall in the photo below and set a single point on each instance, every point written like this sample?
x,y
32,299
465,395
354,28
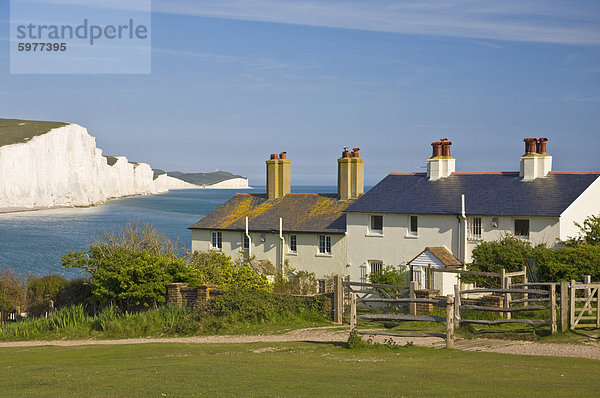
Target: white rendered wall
x,y
397,247
307,257
587,204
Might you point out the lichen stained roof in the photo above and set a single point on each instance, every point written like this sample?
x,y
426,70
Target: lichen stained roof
x,y
300,212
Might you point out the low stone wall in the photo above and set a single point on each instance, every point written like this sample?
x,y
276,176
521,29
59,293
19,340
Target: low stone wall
x,y
181,294
426,308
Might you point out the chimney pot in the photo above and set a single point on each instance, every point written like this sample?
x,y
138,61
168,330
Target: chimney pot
x,y
355,152
446,147
282,155
273,156
541,145
437,149
530,144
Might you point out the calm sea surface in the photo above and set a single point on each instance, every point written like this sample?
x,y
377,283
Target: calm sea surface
x,y
34,241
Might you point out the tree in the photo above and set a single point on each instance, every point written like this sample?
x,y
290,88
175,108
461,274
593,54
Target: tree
x,y
132,268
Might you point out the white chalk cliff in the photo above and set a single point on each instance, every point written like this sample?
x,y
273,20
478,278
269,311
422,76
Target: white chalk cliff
x,y
63,168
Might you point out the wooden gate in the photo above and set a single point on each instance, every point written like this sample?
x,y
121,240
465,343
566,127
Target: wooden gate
x,y
588,314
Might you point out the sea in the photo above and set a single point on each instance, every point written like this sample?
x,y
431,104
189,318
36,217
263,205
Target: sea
x,y
33,242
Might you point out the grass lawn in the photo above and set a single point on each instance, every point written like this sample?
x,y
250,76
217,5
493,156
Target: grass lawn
x,y
290,369
13,131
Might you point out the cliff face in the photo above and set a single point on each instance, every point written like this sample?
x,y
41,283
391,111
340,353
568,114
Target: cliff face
x,y
63,167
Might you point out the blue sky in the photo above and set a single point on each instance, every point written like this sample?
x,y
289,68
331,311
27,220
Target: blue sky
x,y
233,81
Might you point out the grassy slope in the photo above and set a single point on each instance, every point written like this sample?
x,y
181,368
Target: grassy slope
x,y
200,178
13,131
287,369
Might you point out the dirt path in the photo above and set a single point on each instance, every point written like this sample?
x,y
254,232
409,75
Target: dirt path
x,y
335,334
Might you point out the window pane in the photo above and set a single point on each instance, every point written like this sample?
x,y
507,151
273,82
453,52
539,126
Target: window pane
x,y
376,266
522,228
377,223
414,225
293,243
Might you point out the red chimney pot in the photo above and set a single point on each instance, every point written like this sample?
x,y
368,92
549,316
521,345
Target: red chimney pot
x,y
437,149
283,155
541,145
355,152
273,156
530,145
445,147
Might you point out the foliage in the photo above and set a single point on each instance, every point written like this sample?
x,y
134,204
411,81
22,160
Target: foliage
x,y
12,290
215,267
133,267
292,281
553,265
572,263
42,290
589,232
509,253
389,275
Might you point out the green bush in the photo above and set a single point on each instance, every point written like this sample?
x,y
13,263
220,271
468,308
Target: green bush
x,y
13,291
572,263
215,267
389,276
292,281
41,291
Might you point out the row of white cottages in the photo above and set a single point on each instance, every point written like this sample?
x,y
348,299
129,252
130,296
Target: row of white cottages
x,y
433,218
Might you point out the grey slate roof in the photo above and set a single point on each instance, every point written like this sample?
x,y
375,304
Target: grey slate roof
x,y
500,194
301,212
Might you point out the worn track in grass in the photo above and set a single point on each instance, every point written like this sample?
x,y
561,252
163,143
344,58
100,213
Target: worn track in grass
x,y
337,335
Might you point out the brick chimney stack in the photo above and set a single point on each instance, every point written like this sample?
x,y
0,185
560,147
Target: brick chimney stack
x,y
440,164
351,175
278,176
535,163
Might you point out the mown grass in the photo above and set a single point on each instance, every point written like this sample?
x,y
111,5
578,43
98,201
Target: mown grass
x,y
288,369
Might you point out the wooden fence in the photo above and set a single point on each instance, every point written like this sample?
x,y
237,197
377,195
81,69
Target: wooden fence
x,y
448,303
584,302
508,306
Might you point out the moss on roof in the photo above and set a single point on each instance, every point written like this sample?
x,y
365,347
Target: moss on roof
x,y
15,131
300,213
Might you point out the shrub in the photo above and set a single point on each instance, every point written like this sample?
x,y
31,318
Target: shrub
x,y
389,276
589,232
42,290
214,267
292,281
131,269
13,292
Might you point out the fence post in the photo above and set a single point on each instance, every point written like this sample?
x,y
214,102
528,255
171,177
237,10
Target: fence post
x,y
526,295
507,296
553,309
429,277
587,279
598,306
502,278
449,321
338,299
456,306
352,312
572,309
564,299
412,307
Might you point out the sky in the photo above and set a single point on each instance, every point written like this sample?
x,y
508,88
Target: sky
x,y
233,81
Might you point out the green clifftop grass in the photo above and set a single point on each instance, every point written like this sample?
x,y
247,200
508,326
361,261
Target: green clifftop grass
x,y
200,178
14,131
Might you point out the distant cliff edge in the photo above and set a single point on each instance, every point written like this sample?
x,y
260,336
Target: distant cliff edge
x,y
53,164
212,180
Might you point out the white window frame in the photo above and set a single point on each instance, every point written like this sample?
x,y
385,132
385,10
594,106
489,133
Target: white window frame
x,y
411,233
474,228
375,265
371,229
524,237
324,245
293,239
216,240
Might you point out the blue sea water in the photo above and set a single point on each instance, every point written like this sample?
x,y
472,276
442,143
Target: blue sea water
x,y
33,242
